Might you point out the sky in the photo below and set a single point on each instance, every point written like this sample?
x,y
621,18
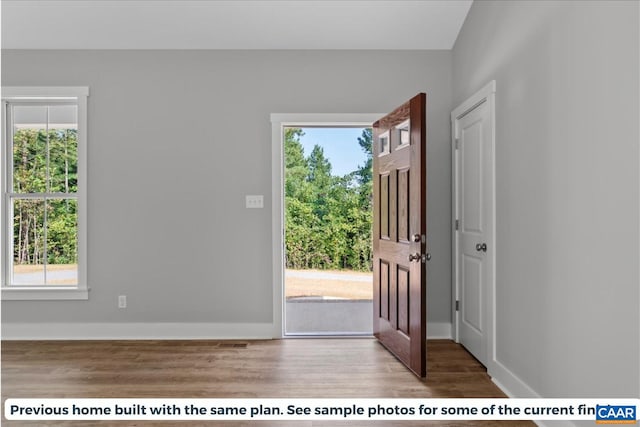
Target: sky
x,y
340,147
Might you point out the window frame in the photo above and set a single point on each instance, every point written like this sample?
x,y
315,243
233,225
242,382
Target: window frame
x,y
40,94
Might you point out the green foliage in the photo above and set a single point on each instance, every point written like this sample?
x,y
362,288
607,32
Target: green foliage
x,y
365,171
45,162
328,218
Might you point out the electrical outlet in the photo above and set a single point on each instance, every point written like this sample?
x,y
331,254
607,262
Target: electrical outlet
x,y
122,301
255,201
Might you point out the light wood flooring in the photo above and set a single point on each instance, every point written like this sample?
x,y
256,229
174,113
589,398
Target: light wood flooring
x,y
300,368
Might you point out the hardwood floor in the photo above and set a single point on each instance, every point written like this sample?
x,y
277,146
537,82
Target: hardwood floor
x,y
310,368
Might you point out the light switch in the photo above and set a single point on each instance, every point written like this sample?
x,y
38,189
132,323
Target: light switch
x,y
255,201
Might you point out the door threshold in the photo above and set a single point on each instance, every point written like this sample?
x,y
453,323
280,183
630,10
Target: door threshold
x,y
314,335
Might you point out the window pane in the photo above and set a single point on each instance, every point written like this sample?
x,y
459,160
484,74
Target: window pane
x,y
28,242
384,143
63,148
63,116
29,149
62,242
404,136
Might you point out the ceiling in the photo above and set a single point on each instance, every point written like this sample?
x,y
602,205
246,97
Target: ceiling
x,y
235,24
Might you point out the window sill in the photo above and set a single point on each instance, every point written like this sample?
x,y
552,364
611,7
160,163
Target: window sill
x,y
42,293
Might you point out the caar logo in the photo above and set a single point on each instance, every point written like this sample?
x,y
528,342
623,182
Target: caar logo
x,y
610,414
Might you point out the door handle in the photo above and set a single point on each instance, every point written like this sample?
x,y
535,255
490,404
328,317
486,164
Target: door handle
x,y
481,247
424,257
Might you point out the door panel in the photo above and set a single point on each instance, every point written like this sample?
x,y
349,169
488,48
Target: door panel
x,y
471,138
403,206
472,292
384,290
399,188
474,178
384,206
403,300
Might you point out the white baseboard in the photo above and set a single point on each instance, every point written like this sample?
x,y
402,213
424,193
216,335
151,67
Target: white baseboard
x,y
510,383
514,387
439,331
140,331
151,331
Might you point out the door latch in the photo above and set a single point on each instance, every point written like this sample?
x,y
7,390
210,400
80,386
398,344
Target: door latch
x,y
424,257
414,257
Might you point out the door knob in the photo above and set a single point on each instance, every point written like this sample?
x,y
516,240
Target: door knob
x,y
424,257
481,247
416,238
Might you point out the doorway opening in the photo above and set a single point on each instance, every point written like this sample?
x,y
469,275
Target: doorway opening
x,y
328,282
280,122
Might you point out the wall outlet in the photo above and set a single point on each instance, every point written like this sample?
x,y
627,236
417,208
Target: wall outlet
x,y
255,201
122,301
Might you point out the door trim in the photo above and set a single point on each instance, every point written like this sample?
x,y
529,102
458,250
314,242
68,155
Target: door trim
x,y
484,95
278,122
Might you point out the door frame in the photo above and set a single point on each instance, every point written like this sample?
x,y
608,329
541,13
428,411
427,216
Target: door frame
x,y
484,95
278,122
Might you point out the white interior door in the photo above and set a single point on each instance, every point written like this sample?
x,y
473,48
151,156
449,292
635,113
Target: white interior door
x,y
474,234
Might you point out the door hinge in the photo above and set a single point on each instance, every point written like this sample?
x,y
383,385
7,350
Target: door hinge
x,y
457,224
457,143
457,305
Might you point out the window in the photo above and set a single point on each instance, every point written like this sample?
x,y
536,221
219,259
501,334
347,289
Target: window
x,y
43,183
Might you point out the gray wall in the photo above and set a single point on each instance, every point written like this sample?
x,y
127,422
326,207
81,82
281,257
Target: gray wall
x,y
567,166
178,138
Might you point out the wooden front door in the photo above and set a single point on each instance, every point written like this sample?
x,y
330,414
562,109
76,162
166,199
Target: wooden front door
x,y
399,233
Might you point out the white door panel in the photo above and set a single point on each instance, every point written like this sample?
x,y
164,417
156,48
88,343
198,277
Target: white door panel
x,y
473,165
472,291
471,158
